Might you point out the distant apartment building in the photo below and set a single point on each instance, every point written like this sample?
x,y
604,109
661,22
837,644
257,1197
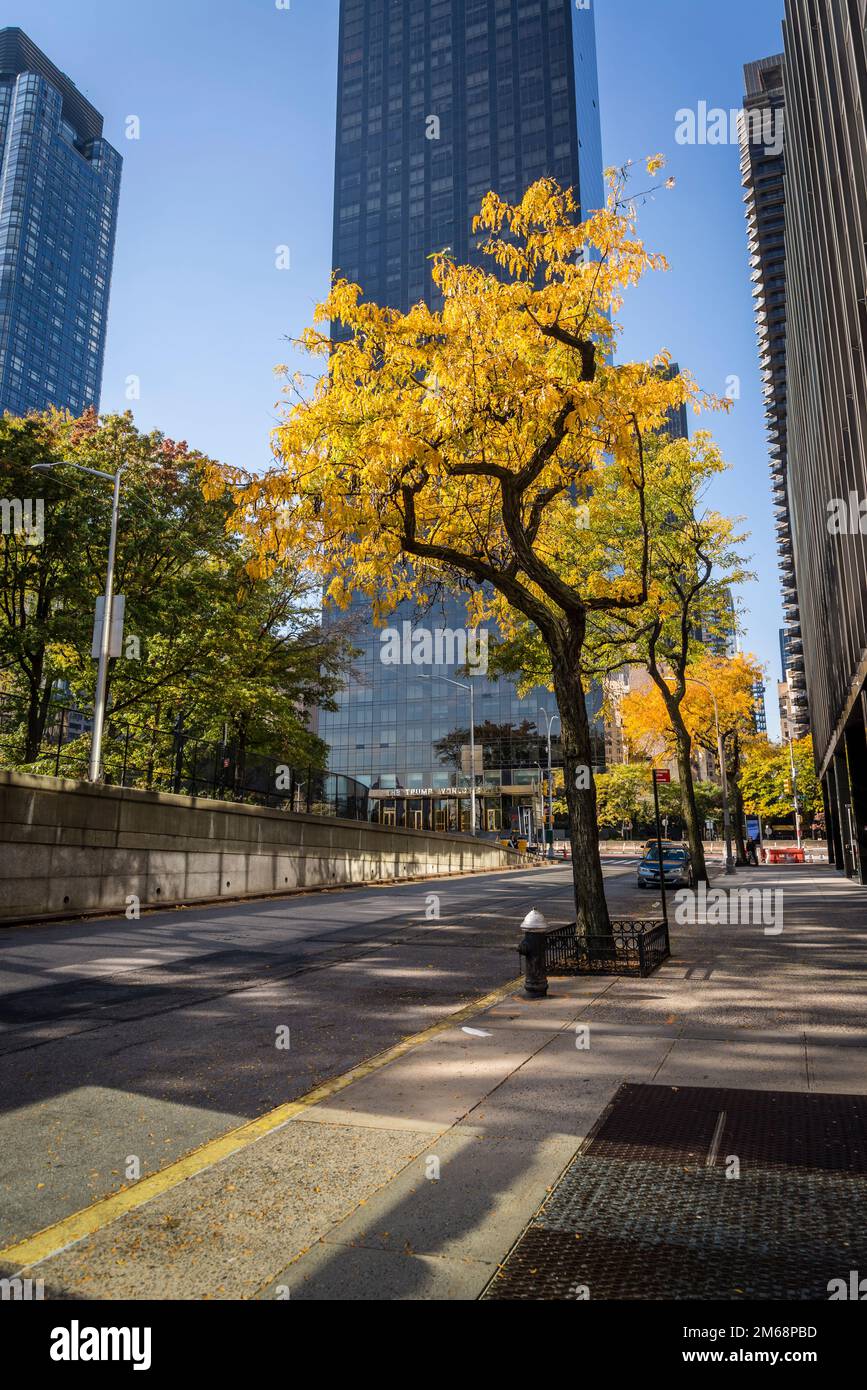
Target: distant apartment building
x,y
762,170
787,729
719,631
760,709
784,695
617,686
59,189
631,680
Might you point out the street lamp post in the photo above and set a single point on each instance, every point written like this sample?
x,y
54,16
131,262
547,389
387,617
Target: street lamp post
x,y
543,809
461,686
95,768
549,724
727,822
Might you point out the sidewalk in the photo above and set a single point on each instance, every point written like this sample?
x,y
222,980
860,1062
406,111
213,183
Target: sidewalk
x,y
416,1180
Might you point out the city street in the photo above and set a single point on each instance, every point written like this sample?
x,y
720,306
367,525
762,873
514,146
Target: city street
x,y
367,537
148,1040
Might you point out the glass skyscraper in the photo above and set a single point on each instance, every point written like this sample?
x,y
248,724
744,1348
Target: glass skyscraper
x,y
440,101
59,187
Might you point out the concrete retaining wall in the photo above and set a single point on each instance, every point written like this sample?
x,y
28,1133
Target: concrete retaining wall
x,y
68,848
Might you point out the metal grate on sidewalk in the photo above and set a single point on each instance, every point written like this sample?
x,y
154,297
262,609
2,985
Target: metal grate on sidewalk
x,y
694,1193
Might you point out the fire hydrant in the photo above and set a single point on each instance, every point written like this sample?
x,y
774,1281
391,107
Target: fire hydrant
x,y
532,948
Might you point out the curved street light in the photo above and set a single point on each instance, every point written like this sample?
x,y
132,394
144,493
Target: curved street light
x,y
550,721
95,768
461,686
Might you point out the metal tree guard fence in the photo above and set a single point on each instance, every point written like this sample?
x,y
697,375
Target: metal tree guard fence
x,y
178,760
640,947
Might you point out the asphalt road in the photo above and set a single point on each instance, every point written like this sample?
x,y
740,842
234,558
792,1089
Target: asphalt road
x,y
124,1045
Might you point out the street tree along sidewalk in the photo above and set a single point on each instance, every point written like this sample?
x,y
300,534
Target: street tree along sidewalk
x,y
623,795
694,560
473,444
766,780
734,681
648,727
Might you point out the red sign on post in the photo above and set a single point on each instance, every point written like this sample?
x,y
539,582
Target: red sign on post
x,y
661,774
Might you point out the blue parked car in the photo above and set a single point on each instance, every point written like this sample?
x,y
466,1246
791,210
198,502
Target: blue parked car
x,y
676,864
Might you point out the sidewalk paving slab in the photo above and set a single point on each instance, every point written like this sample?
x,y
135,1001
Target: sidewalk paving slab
x,y
370,1275
222,1233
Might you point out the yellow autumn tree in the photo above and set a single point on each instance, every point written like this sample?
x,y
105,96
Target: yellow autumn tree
x,y
471,444
712,684
771,786
731,679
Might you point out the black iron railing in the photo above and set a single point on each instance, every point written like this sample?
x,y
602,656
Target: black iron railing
x,y
179,760
640,947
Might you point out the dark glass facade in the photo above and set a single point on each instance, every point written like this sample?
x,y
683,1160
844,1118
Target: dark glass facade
x,y
826,290
440,101
59,188
762,167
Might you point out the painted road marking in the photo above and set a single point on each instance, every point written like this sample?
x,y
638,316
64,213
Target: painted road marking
x,y
87,1222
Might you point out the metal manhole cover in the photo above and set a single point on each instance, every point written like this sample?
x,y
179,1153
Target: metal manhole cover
x,y
694,1193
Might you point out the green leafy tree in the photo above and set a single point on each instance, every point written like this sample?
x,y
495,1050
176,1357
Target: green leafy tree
x,y
47,586
206,642
708,801
624,794
765,780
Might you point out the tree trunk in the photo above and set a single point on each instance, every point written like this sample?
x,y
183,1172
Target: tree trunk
x,y
687,796
737,801
590,906
684,768
38,708
33,738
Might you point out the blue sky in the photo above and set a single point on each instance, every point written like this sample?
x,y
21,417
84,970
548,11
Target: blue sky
x,y
235,158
